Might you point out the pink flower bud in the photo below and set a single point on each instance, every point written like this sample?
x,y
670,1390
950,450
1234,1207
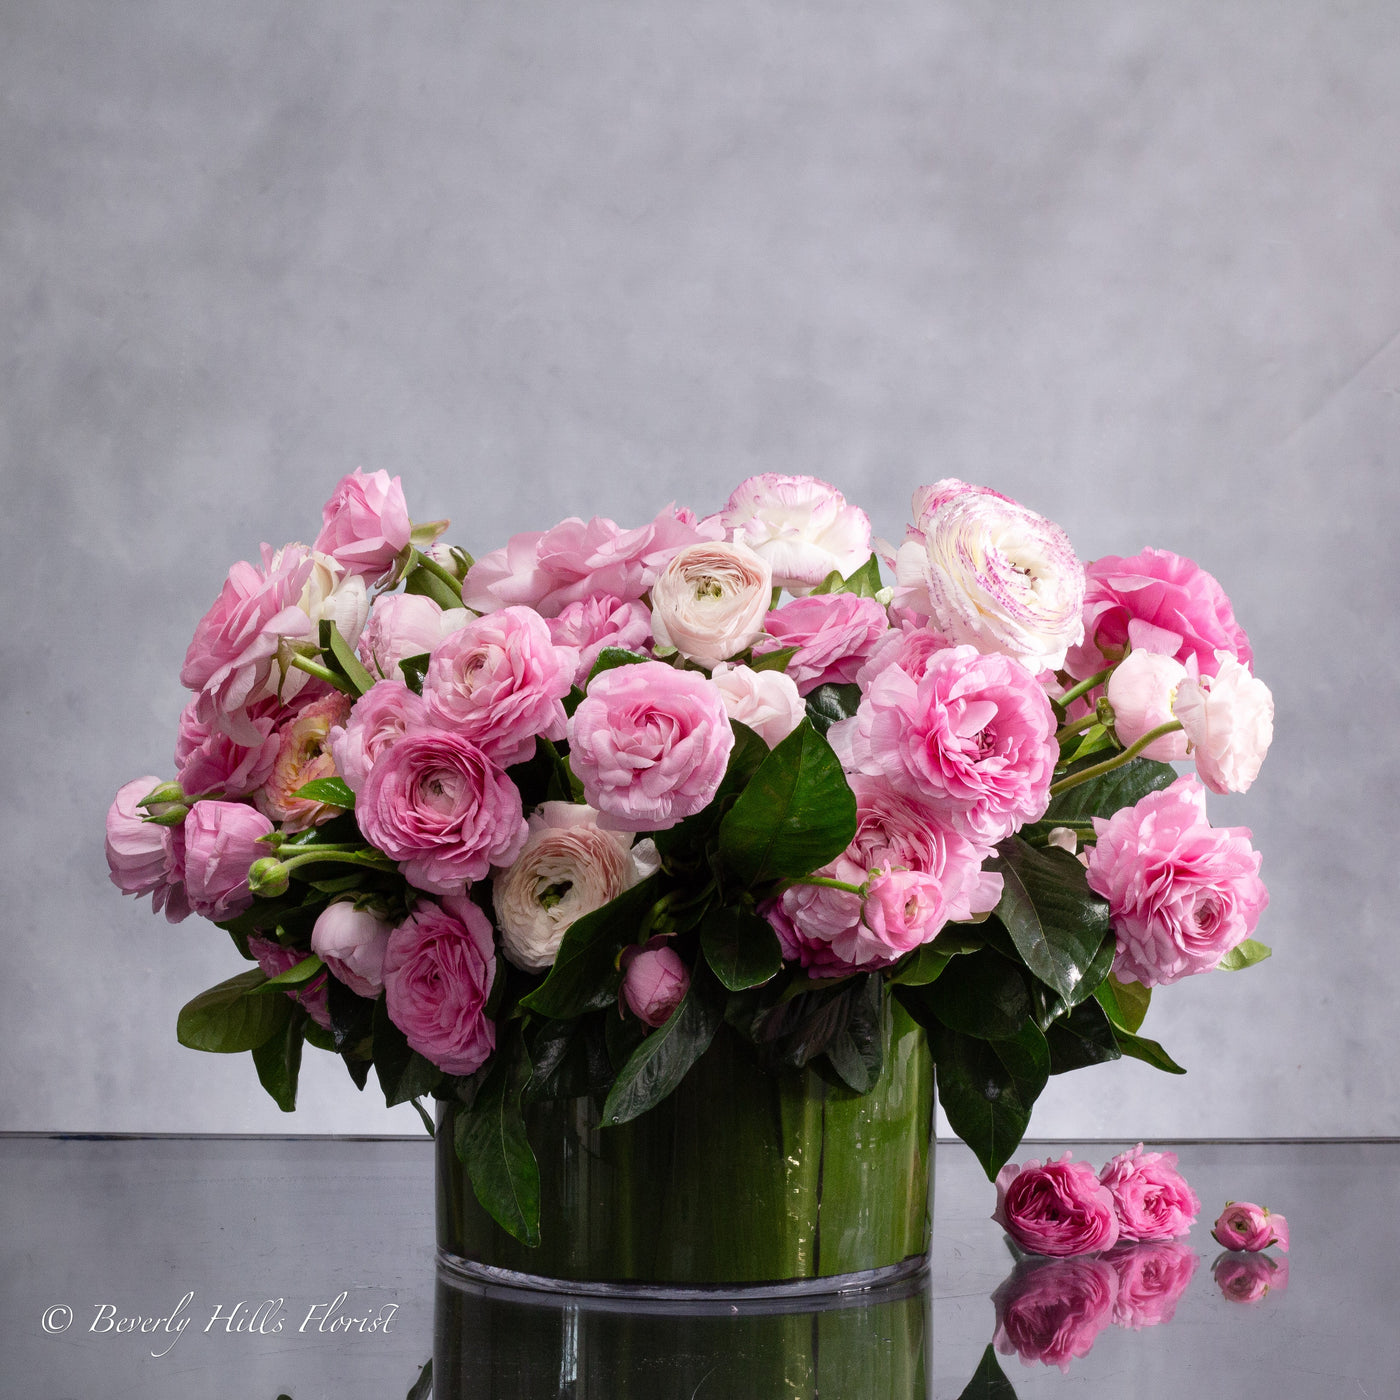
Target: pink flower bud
x,y
1142,691
137,850
365,523
654,981
221,842
1246,1278
1228,720
351,942
1243,1225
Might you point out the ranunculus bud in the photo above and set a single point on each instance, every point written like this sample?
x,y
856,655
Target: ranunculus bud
x,y
351,942
365,523
903,908
710,601
222,840
1142,691
1246,1278
1243,1225
137,850
1228,719
402,625
268,877
654,980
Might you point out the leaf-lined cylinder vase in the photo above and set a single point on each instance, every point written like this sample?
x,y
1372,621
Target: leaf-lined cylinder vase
x,y
741,1182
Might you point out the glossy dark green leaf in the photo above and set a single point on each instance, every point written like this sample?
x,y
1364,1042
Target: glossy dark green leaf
x,y
1126,1003
1148,1051
1049,1006
1102,797
232,1017
358,1067
829,703
1244,955
989,1380
340,656
1055,921
621,1035
1081,1037
542,777
571,1057
278,1061
795,1031
922,966
331,790
403,1073
413,669
292,978
856,1052
352,1019
774,660
423,1386
797,813
685,842
741,948
493,1148
981,995
610,658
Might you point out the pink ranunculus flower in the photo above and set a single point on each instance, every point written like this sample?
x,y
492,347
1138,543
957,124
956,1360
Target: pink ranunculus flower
x,y
549,570
352,942
903,908
1152,1276
654,980
438,971
974,738
1059,1207
1156,601
650,744
500,681
1228,720
274,960
910,645
379,718
991,573
222,839
600,621
803,527
710,600
834,634
303,756
365,524
1051,1311
436,804
767,701
1142,691
1244,1225
1246,1278
1181,893
209,762
402,625
1151,1197
138,851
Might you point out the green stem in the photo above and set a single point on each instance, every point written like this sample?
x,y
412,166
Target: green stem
x,y
824,883
1077,727
340,855
1117,761
1084,687
445,576
323,673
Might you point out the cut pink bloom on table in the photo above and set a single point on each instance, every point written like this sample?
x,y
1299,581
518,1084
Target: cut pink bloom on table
x,y
1058,1207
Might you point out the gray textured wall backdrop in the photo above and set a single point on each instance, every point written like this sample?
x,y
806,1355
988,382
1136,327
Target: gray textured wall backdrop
x,y
1135,264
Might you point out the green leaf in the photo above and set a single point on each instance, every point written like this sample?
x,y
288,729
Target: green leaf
x,y
293,977
1102,797
864,582
414,668
924,965
571,1058
988,1087
278,1061
981,995
795,1031
662,1060
741,948
342,657
423,1386
1056,922
331,790
493,1148
797,813
426,582
1081,1037
1125,1002
403,1073
989,1380
1049,1006
773,660
857,1052
682,842
352,1023
829,703
542,777
1094,740
610,658
1148,1051
230,1017
1244,955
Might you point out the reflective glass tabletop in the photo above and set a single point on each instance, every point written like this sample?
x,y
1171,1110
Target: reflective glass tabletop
x,y
304,1267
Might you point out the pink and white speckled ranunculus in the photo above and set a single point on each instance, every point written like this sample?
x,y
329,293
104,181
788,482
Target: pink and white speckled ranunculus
x,y
402,625
379,718
991,573
803,527
654,980
1151,1197
365,523
1142,691
1057,1207
1228,720
600,621
436,804
1181,893
834,634
352,942
767,701
710,601
650,744
221,842
438,969
1244,1225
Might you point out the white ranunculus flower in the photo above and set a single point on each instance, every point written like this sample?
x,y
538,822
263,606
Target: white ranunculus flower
x,y
331,591
803,527
568,868
1229,720
1142,690
710,601
767,701
993,574
402,625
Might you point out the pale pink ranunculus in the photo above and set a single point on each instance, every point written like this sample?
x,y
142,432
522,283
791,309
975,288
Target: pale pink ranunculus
x,y
379,718
1152,1276
654,980
1228,721
549,570
1058,1207
1246,1278
500,681
1151,1197
274,960
767,701
974,738
991,573
902,909
352,942
1142,691
710,600
209,762
1181,893
1051,1311
365,524
600,621
222,839
910,644
1156,601
650,744
303,756
803,527
138,851
1246,1226
834,634
436,804
438,971
402,625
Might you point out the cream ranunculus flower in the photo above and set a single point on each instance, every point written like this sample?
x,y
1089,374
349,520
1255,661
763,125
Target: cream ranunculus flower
x,y
1229,720
767,701
331,592
568,868
710,601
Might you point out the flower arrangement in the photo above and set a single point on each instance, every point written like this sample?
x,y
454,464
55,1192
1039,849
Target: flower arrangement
x,y
536,825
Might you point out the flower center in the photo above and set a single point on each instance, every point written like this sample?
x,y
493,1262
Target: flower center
x,y
552,895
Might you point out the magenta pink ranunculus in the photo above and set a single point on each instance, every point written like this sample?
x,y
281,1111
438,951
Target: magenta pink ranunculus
x,y
222,839
351,942
903,908
1152,1276
834,634
654,980
650,744
1151,1197
438,970
549,570
365,523
974,738
1051,1311
1246,1278
274,960
1155,601
1059,1207
1244,1225
599,621
500,681
402,625
379,718
1181,893
436,804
